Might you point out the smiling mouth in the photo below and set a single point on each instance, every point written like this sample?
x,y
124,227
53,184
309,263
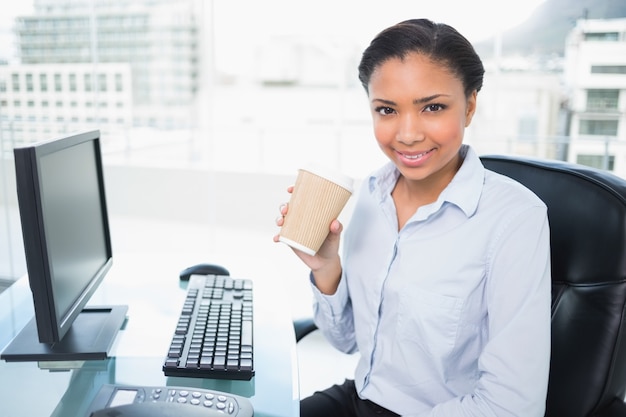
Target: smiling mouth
x,y
415,156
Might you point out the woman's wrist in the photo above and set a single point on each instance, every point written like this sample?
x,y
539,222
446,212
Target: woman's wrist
x,y
327,277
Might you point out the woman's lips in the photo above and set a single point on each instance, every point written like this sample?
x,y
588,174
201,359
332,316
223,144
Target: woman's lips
x,y
414,159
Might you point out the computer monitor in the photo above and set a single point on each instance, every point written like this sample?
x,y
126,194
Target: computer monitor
x,y
67,244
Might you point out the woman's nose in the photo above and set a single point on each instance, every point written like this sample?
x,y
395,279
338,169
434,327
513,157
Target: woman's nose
x,y
409,129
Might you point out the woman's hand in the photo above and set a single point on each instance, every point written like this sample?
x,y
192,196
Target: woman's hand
x,y
325,264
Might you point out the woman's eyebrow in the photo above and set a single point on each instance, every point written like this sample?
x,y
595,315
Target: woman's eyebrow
x,y
383,101
421,100
428,98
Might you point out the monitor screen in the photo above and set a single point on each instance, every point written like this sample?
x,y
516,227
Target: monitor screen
x,y
75,241
65,228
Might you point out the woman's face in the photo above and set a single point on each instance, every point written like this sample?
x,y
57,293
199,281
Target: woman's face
x,y
420,112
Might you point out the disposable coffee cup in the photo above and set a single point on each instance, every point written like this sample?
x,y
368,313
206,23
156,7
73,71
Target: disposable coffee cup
x,y
317,199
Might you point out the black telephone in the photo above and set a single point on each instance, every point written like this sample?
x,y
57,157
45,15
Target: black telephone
x,y
157,401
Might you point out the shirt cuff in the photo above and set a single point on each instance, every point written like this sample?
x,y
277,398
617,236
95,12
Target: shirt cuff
x,y
332,305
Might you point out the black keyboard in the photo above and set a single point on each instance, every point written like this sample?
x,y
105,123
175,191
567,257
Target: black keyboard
x,y
213,337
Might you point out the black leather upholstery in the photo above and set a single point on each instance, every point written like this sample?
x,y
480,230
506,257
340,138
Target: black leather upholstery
x,y
587,212
303,326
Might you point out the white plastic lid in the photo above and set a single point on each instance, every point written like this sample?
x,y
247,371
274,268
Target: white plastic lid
x,y
331,175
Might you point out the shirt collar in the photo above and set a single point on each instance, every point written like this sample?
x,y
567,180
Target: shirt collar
x,y
463,191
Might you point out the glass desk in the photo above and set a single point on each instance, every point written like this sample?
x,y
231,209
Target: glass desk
x,y
154,296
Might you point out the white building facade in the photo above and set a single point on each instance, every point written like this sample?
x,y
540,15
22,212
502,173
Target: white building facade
x,y
595,79
38,102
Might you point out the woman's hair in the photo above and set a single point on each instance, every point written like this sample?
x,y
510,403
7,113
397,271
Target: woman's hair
x,y
439,42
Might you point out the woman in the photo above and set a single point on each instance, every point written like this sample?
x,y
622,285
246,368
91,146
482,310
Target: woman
x,y
444,283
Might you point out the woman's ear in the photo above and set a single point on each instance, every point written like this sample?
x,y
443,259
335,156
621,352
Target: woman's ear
x,y
470,108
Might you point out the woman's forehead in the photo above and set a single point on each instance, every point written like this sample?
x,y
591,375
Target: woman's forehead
x,y
411,70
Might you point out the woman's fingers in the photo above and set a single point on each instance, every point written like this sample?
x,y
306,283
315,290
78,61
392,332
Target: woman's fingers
x,y
283,208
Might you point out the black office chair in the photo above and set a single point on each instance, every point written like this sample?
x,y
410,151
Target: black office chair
x,y
587,213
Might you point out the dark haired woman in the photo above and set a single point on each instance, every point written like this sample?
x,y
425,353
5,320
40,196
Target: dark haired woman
x,y
443,286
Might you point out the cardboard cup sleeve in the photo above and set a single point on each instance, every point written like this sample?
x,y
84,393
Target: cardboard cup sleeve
x,y
317,199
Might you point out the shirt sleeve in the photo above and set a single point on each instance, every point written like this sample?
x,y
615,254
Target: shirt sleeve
x,y
514,365
333,317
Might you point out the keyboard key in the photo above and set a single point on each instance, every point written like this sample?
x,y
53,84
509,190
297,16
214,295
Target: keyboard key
x,y
171,363
219,362
246,364
246,333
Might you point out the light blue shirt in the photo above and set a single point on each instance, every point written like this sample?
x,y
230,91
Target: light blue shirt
x,y
450,315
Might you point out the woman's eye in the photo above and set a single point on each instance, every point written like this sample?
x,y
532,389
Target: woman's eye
x,y
384,110
434,107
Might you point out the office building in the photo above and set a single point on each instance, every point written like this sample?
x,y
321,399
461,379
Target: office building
x,y
158,39
595,78
41,101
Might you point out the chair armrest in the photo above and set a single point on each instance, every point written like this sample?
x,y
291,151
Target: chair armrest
x,y
303,327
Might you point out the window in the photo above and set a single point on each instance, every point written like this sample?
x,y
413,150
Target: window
x,y
29,82
598,127
608,69
72,82
15,79
119,87
597,161
58,85
43,82
102,82
602,36
88,82
602,99
152,65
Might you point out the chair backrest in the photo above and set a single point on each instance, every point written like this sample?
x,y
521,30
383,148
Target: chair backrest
x,y
587,213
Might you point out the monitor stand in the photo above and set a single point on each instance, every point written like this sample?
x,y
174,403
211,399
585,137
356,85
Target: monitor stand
x,y
90,338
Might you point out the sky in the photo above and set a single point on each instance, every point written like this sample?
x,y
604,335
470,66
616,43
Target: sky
x,y
242,22
359,21
477,19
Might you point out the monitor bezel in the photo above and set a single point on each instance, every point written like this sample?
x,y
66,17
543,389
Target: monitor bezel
x,y
51,328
